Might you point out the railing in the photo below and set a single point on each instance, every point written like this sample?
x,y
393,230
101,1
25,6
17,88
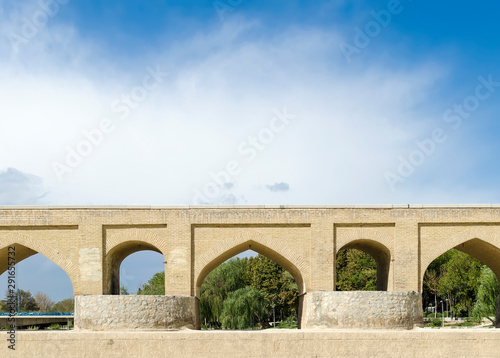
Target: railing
x,y
37,314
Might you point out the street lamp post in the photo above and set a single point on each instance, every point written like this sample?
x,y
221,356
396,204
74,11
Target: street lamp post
x,y
442,313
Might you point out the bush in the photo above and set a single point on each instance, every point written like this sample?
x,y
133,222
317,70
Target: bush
x,y
289,322
437,322
54,326
473,319
33,328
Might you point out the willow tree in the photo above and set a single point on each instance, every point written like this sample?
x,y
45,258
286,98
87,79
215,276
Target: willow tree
x,y
486,299
243,308
216,287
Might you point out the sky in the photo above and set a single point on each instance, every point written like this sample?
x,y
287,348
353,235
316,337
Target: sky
x,y
248,102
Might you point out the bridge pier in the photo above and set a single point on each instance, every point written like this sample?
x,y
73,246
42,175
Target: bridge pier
x,y
362,310
319,310
131,312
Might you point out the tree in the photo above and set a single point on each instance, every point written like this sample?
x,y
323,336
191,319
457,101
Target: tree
x,y
486,303
277,287
124,291
460,281
356,271
281,293
431,283
64,306
3,306
227,277
155,286
43,302
242,308
432,277
25,301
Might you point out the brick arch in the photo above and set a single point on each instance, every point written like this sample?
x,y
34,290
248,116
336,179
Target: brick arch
x,y
119,236
218,258
479,249
114,259
380,253
27,247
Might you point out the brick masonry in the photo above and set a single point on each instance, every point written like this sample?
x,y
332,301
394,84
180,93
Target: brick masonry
x,y
89,243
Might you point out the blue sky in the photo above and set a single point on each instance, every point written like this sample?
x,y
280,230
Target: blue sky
x,y
248,102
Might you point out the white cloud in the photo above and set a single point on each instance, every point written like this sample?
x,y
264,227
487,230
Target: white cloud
x,y
222,88
17,188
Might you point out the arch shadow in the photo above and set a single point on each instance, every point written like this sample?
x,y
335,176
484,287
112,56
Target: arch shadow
x,y
380,253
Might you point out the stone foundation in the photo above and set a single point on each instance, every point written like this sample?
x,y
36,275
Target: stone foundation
x,y
271,343
362,310
104,313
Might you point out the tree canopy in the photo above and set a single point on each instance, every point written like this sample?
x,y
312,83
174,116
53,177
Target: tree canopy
x,y
155,286
243,293
453,276
356,271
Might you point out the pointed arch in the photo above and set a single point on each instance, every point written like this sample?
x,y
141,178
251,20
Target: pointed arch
x,y
479,249
114,259
259,248
380,253
22,252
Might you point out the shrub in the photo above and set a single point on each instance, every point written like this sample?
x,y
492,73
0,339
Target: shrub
x,y
289,322
55,326
437,322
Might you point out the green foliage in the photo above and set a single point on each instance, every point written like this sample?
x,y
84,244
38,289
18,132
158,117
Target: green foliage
x,y
235,281
242,308
276,284
27,302
33,328
460,281
155,286
437,322
226,278
55,326
485,306
453,276
289,322
67,305
124,291
356,271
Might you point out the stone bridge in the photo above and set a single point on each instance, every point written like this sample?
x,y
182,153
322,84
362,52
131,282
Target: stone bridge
x,y
90,243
